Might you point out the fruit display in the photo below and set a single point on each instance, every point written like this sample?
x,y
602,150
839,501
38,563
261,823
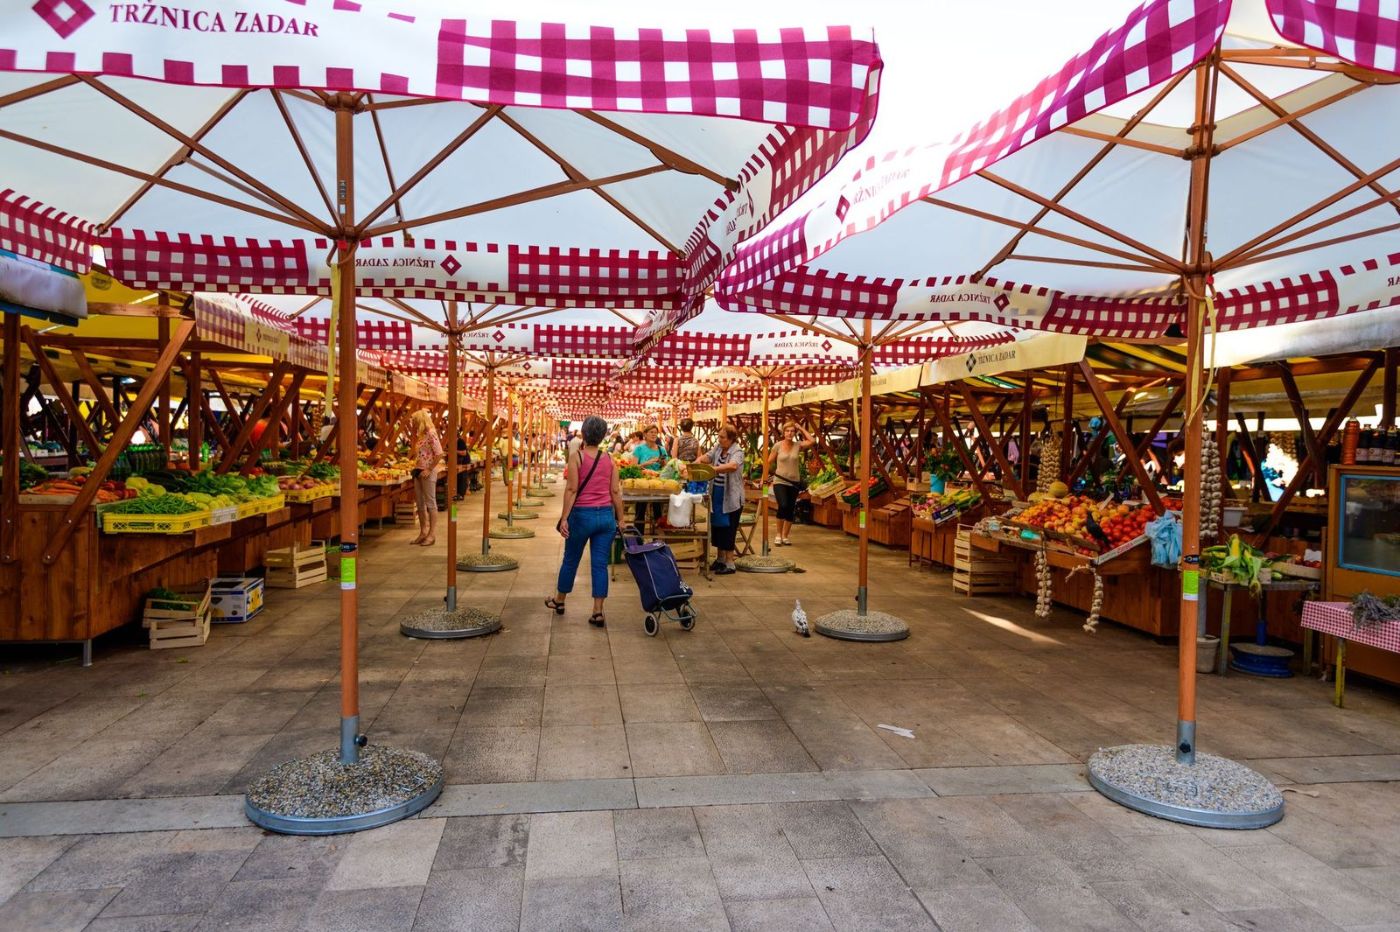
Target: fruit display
x,y
109,491
669,486
382,474
936,506
1111,524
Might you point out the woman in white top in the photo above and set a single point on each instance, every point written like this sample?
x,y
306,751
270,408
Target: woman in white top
x,y
785,466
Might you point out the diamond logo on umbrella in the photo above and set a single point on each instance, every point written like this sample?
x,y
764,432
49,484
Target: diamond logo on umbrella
x,y
1001,301
64,16
450,265
826,346
498,336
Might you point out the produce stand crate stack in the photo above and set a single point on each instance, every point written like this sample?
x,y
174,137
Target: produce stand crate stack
x,y
178,618
294,567
981,572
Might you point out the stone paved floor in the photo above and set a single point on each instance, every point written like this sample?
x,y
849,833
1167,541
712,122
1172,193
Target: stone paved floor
x,y
728,777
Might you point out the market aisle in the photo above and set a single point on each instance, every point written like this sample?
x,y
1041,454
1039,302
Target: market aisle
x,y
732,775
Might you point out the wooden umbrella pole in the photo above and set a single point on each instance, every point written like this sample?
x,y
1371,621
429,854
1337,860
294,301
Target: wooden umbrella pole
x,y
487,457
454,428
763,478
867,352
508,468
11,440
346,422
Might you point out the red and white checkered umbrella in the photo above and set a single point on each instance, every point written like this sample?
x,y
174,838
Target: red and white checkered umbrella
x,y
1067,209
496,162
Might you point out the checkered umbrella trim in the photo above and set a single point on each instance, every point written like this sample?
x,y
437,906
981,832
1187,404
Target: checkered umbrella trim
x,y
29,228
1363,32
1335,618
1158,40
818,77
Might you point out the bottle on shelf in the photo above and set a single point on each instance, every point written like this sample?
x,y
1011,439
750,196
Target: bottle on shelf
x,y
1363,447
1377,446
1351,437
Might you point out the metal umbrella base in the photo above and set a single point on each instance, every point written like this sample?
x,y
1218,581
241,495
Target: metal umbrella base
x,y
318,795
487,563
509,532
441,624
529,503
757,563
1213,792
540,492
517,515
849,625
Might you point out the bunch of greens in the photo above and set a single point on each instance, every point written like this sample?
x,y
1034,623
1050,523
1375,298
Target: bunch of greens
x,y
154,505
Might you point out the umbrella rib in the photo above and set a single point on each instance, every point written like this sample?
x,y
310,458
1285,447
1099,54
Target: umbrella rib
x,y
384,154
1292,120
670,157
1055,260
163,182
301,148
396,194
573,174
1168,268
38,90
409,309
1266,239
1079,218
1320,244
512,200
196,146
179,156
1089,166
307,306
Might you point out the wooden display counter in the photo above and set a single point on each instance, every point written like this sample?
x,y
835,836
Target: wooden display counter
x,y
934,543
826,512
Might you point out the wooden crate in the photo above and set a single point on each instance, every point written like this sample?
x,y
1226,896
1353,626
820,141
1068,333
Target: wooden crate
x,y
967,583
191,603
295,567
188,632
978,572
827,511
892,525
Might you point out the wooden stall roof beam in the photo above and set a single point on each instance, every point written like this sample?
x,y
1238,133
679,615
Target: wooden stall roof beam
x,y
1086,457
1141,448
1300,411
270,435
99,391
1008,474
1252,459
60,391
125,430
1125,440
951,435
260,406
1324,437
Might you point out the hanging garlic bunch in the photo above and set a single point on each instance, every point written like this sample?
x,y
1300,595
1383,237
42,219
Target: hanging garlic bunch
x,y
318,419
1091,624
1049,462
1212,495
1043,600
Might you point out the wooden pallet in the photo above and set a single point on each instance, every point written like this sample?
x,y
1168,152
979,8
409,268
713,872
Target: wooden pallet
x,y
189,632
976,584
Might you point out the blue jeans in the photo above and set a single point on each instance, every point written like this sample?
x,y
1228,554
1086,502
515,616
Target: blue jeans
x,y
598,525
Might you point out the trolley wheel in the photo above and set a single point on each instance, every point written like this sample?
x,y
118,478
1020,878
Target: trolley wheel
x,y
686,616
650,626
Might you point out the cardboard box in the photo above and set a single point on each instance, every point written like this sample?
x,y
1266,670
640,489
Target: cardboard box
x,y
235,599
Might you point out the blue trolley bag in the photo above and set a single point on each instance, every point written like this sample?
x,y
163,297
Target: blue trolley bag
x,y
658,577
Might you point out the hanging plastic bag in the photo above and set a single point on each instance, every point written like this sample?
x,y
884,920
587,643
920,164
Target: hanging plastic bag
x,y
1165,534
681,511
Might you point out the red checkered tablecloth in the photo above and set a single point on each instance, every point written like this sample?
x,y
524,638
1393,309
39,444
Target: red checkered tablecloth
x,y
1335,618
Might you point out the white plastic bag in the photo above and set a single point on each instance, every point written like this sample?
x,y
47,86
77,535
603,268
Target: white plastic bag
x,y
681,510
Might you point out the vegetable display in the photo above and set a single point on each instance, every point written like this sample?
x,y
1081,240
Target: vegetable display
x,y
1237,561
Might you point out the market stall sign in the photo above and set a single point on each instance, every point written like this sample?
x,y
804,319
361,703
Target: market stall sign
x,y
1038,352
262,340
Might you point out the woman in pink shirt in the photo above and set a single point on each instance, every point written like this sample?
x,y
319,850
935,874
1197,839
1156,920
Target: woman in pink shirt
x,y
427,453
592,514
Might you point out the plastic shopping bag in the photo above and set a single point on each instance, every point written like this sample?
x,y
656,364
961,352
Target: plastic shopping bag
x,y
681,511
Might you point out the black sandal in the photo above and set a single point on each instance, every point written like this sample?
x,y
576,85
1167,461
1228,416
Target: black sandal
x,y
597,620
557,606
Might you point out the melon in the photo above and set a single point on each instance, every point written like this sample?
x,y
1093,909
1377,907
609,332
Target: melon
x,y
1058,490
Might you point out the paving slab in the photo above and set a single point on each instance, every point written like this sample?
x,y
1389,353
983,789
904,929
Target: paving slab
x,y
557,796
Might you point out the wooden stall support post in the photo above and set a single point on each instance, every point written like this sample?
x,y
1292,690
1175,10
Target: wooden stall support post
x,y
508,467
488,455
163,411
1125,439
1024,441
984,431
68,401
346,423
120,438
9,427
1389,387
867,357
255,413
763,476
194,410
269,436
454,427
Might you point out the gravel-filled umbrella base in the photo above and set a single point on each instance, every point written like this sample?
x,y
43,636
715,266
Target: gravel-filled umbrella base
x,y
540,492
847,625
529,503
487,563
757,563
441,624
318,795
509,532
1213,792
517,515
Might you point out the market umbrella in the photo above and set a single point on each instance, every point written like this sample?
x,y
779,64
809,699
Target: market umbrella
x,y
495,156
1199,166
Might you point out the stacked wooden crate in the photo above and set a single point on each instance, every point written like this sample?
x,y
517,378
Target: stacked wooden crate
x,y
182,621
980,572
294,567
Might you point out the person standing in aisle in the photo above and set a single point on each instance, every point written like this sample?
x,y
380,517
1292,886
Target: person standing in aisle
x,y
427,453
727,496
651,458
592,514
785,465
687,448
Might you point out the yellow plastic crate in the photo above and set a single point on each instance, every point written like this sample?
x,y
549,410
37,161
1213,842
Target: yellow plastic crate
x,y
260,506
305,496
156,524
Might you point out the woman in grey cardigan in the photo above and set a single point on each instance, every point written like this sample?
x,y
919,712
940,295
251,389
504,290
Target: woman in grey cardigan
x,y
727,496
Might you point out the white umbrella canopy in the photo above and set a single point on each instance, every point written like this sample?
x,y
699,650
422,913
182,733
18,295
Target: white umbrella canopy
x,y
1068,210
508,152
